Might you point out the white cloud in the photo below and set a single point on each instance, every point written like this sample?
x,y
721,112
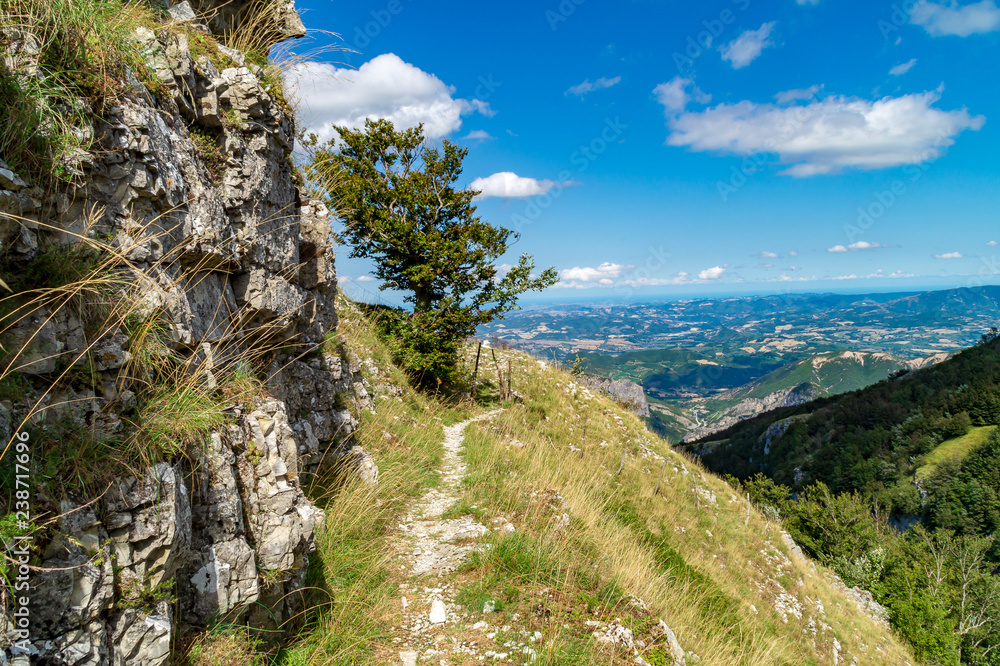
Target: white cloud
x,y
902,68
828,135
807,2
950,18
384,87
586,87
744,49
606,270
877,275
767,255
477,135
856,247
800,93
365,278
680,278
949,255
711,273
674,95
993,244
788,278
793,253
508,185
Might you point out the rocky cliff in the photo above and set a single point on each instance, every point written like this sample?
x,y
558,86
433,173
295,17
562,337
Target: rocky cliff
x,y
187,199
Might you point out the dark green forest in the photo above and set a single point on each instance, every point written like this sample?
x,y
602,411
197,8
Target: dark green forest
x,y
845,474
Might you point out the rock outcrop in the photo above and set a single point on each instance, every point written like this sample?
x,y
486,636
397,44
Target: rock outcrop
x,y
192,189
623,391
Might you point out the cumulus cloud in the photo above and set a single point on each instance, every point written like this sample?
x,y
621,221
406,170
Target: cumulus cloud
x,y
582,89
385,87
993,244
949,255
826,136
902,68
676,93
711,273
508,185
748,46
949,18
365,278
856,247
767,255
607,270
797,94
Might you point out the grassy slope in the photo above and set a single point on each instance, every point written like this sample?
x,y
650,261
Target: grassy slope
x,y
716,581
838,374
954,448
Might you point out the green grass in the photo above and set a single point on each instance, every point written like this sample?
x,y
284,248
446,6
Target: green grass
x,y
954,448
85,48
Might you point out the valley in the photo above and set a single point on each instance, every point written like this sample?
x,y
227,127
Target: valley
x,y
708,364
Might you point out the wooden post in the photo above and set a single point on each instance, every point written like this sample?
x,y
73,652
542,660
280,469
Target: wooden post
x,y
510,378
748,509
697,500
475,372
496,363
660,480
621,465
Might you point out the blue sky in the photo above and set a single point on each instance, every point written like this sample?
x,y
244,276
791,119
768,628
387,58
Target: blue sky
x,y
647,148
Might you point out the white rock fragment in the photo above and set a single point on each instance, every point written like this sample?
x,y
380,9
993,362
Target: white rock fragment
x,y
438,614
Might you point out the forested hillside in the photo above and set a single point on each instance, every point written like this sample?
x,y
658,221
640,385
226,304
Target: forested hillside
x,y
897,488
871,440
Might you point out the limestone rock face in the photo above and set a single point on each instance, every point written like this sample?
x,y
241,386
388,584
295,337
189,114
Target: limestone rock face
x,y
193,189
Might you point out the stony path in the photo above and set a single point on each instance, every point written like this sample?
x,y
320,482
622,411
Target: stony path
x,y
432,548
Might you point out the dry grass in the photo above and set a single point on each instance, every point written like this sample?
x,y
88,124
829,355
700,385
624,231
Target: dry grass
x,y
85,47
718,582
354,577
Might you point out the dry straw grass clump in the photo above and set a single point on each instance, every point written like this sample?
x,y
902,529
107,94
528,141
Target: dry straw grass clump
x,y
63,63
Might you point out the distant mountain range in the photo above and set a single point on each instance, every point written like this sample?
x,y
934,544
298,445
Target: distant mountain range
x,y
707,364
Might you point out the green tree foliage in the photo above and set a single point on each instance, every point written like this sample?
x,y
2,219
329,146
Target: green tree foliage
x,y
397,200
872,441
938,587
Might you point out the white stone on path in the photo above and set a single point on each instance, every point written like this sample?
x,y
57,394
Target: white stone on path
x,y
438,614
408,658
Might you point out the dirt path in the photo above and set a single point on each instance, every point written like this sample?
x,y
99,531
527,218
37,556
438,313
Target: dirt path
x,y
431,549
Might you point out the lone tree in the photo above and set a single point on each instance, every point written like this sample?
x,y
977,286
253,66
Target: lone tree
x,y
397,200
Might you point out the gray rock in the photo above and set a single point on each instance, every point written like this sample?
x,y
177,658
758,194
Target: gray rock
x,y
141,638
624,391
182,12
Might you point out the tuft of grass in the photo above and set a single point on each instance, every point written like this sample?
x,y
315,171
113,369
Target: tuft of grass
x,y
174,418
84,50
224,645
212,155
